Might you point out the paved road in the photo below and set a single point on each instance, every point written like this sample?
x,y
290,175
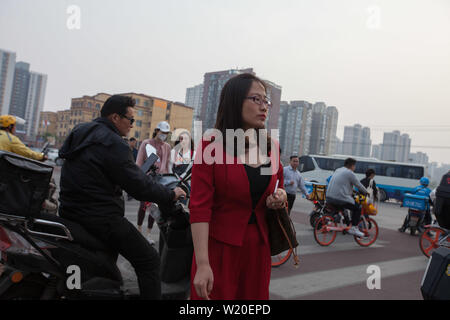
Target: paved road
x,y
340,270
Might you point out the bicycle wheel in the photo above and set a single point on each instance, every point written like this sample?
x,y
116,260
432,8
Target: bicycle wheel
x,y
369,227
429,240
323,236
281,258
314,216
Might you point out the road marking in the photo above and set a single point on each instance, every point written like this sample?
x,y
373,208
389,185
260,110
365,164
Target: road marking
x,y
313,282
334,247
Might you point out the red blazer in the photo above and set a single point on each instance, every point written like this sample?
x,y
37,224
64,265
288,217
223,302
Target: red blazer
x,y
220,195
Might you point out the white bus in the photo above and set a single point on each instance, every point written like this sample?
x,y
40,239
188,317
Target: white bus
x,y
393,179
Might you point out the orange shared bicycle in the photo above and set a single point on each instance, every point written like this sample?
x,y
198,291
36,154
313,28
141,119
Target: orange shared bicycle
x,y
337,219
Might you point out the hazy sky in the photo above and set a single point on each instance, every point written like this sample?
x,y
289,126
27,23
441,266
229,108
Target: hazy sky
x,y
383,64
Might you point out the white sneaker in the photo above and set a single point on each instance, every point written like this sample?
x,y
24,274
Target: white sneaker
x,y
355,231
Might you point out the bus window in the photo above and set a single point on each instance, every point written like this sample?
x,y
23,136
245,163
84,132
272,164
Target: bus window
x,y
392,170
412,172
329,164
389,171
361,167
306,164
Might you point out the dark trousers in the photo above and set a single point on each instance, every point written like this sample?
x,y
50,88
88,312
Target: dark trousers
x,y
122,237
353,207
442,212
291,200
141,216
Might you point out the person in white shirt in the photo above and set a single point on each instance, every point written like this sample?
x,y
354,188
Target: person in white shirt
x,y
293,181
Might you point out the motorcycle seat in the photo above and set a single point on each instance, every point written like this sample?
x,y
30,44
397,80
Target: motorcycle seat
x,y
79,234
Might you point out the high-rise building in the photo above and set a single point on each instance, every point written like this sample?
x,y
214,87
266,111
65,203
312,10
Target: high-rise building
x,y
35,103
339,146
22,93
282,126
7,66
323,129
212,87
418,157
331,139
303,126
357,141
318,129
295,128
194,97
19,95
376,151
396,146
405,148
391,142
274,95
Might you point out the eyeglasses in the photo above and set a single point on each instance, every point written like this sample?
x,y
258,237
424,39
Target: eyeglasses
x,y
259,101
130,119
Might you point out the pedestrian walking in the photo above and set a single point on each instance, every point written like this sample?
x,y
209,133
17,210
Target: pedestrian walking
x,y
293,181
158,141
229,200
132,142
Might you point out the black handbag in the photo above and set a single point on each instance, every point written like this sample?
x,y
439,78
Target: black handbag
x,y
282,235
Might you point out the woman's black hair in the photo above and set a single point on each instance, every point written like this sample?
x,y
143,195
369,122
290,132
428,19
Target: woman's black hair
x,y
229,114
155,132
117,104
369,172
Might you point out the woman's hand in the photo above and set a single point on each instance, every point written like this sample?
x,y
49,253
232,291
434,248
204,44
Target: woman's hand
x,y
277,200
203,281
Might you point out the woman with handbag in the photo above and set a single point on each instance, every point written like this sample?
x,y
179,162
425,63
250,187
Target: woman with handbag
x,y
231,192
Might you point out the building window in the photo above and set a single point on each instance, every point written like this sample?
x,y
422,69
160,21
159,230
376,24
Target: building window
x,y
138,123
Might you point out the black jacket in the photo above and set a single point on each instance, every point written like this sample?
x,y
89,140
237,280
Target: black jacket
x,y
366,181
98,165
443,190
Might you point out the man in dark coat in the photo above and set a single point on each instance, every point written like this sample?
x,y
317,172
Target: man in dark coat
x,y
442,203
98,165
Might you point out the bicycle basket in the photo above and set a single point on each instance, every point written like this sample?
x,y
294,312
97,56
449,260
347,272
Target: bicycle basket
x,y
318,192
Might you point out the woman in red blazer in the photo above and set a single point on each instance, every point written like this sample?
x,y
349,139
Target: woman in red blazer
x,y
231,191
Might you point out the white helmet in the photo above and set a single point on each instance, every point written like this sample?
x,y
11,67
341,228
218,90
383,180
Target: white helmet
x,y
163,126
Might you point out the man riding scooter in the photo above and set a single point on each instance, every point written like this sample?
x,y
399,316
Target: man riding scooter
x,y
421,190
9,141
98,165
